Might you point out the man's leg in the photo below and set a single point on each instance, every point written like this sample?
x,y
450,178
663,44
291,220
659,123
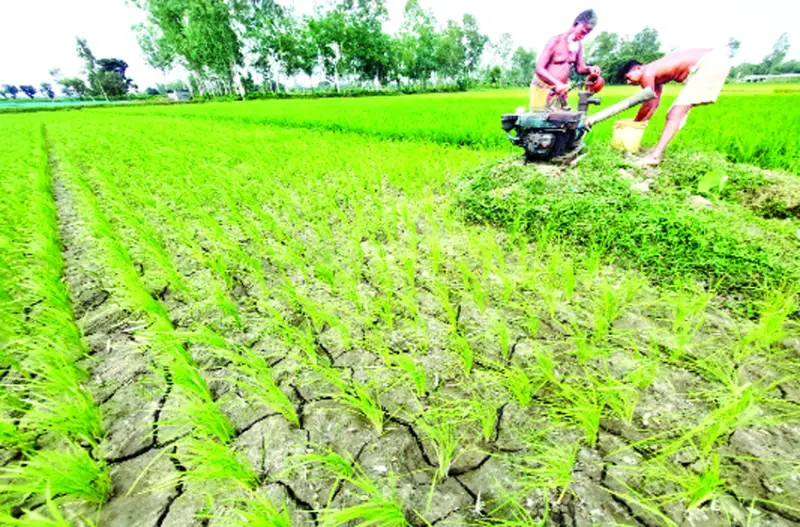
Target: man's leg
x,y
676,118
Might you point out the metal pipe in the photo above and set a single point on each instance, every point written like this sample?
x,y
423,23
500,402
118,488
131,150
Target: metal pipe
x,y
643,96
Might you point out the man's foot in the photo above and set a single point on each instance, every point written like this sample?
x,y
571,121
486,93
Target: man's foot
x,y
649,160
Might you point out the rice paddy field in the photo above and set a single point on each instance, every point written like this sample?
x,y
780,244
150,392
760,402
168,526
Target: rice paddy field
x,y
370,312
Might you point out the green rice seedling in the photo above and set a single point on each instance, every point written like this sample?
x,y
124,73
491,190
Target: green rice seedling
x,y
644,375
519,385
634,497
549,467
70,471
473,285
532,322
333,464
377,507
440,427
443,293
57,400
610,305
583,406
257,382
256,510
464,351
197,406
706,485
549,294
501,335
514,514
562,272
363,400
415,373
210,461
11,437
376,511
547,364
737,408
484,412
777,308
54,517
620,398
586,347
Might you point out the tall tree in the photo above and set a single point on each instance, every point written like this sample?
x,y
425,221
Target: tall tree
x,y
474,43
74,87
328,33
157,50
47,89
523,64
503,50
733,47
779,51
10,90
451,54
200,33
610,51
106,77
28,90
418,43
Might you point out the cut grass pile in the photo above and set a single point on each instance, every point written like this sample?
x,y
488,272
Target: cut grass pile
x,y
732,249
275,326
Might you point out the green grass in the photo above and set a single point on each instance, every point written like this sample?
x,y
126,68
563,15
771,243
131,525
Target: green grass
x,y
730,249
750,124
48,415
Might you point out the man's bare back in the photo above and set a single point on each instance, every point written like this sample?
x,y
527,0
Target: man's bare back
x,y
703,70
673,67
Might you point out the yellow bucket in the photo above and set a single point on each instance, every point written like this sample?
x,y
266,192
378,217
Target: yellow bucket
x,y
628,135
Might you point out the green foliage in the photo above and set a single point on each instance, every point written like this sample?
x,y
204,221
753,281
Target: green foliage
x,y
611,51
46,89
258,271
28,90
657,234
523,64
9,90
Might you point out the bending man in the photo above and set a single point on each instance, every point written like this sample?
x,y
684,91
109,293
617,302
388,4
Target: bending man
x,y
556,61
702,70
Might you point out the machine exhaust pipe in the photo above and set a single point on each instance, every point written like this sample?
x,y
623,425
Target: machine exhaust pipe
x,y
643,96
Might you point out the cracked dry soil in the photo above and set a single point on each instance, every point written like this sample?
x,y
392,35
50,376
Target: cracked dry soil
x,y
142,445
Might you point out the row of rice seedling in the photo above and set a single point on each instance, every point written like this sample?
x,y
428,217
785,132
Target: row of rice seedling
x,y
51,430
202,451
378,301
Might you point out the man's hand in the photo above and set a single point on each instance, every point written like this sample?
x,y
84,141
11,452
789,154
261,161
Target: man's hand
x,y
561,89
595,70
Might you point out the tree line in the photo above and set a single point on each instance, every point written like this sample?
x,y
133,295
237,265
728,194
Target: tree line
x,y
226,44
241,46
105,79
774,63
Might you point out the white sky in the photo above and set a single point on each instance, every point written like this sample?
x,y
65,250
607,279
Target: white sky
x,y
37,35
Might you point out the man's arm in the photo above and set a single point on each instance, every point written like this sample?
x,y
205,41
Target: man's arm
x,y
582,68
649,108
544,61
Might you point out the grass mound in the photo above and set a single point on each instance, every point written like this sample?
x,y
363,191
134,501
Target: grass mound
x,y
727,247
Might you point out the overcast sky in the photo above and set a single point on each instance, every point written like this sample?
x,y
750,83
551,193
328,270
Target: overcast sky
x,y
40,34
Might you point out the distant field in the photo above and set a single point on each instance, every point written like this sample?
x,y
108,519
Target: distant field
x,y
368,312
756,124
